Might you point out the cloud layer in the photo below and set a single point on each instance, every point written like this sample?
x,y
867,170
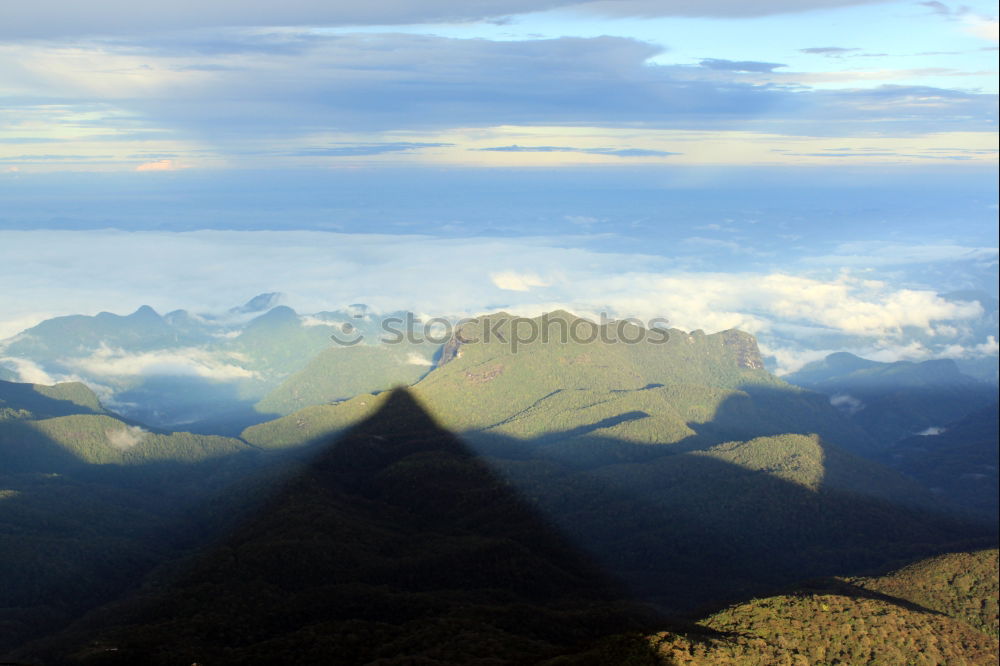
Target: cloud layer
x,y
47,18
91,271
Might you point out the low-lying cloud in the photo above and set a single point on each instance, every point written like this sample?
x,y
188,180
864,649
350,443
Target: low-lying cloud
x,y
796,315
191,361
126,438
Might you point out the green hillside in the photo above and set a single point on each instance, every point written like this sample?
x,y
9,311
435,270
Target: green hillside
x,y
397,544
338,373
694,390
39,401
90,503
938,611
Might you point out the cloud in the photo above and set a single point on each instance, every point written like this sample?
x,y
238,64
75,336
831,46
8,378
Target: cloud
x,y
931,431
793,313
616,152
937,7
11,327
29,371
369,84
310,320
978,25
983,28
348,150
58,18
513,281
715,8
828,50
190,361
126,438
416,359
159,165
847,403
740,66
48,18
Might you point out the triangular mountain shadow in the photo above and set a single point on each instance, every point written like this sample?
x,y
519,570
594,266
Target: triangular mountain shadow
x,y
397,544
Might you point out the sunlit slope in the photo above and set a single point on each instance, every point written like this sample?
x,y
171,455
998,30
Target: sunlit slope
x,y
338,373
19,400
914,616
693,389
55,428
964,586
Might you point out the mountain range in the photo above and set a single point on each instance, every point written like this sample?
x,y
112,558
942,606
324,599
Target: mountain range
x,y
570,501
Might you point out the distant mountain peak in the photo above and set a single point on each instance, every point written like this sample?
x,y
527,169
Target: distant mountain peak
x,y
259,303
144,312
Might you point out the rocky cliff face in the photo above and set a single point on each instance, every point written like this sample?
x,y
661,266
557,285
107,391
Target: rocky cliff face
x,y
744,348
449,351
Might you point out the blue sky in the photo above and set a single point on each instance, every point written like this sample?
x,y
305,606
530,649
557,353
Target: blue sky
x,y
673,158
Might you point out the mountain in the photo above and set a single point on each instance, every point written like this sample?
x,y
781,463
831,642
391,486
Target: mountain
x,y
38,401
893,401
689,391
90,503
217,374
259,303
958,461
938,611
397,544
720,459
339,373
524,501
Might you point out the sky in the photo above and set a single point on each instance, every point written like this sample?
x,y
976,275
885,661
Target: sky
x,y
821,173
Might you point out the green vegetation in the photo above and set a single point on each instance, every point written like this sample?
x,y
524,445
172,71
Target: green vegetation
x,y
90,503
338,373
596,490
963,586
938,611
39,401
694,390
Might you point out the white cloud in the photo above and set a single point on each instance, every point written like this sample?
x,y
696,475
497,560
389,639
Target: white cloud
x,y
126,438
311,321
931,431
191,361
159,165
414,358
513,281
30,372
11,327
790,360
795,315
847,403
982,27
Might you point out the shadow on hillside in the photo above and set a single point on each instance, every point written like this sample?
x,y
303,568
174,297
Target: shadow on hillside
x,y
399,539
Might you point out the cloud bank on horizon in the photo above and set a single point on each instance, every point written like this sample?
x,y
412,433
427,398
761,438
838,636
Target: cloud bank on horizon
x,y
819,172
798,317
